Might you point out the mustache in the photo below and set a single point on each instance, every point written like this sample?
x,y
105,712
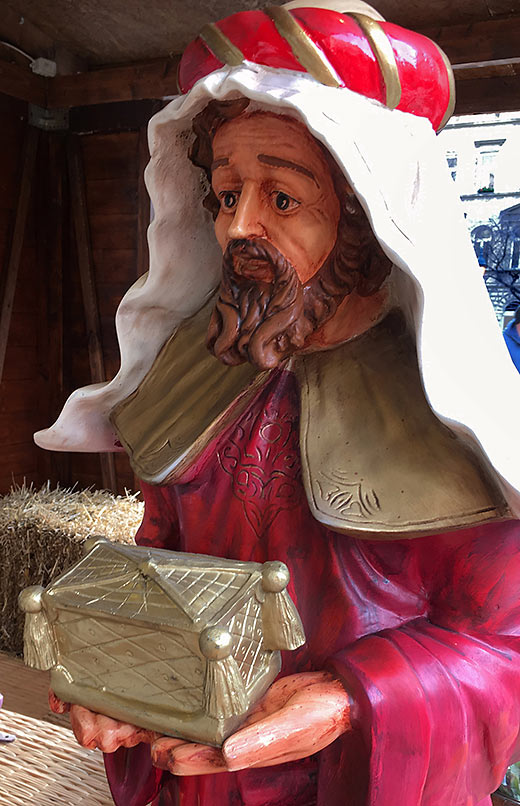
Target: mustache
x,y
258,315
243,251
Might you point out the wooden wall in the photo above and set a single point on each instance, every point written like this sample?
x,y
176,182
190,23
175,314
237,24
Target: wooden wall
x,y
47,353
111,171
22,383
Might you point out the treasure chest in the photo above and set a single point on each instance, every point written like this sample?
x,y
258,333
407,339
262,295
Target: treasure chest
x,y
183,644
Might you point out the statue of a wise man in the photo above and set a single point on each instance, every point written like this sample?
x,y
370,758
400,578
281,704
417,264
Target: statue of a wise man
x,y
335,394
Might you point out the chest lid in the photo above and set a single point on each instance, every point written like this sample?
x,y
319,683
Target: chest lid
x,y
155,586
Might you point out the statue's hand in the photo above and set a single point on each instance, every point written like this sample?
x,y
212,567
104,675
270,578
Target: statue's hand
x,y
300,715
95,730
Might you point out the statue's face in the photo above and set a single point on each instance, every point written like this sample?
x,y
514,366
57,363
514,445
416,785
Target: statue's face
x,y
273,182
287,265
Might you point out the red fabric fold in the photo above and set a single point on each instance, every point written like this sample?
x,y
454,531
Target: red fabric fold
x,y
425,633
438,710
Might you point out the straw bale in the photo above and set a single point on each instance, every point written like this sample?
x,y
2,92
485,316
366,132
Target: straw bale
x,y
41,534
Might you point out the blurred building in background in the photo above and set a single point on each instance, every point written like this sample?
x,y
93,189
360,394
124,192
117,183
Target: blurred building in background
x,y
483,155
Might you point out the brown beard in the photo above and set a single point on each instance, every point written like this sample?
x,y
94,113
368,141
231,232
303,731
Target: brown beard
x,y
265,322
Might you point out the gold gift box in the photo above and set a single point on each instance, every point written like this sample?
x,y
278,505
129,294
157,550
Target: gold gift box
x,y
183,644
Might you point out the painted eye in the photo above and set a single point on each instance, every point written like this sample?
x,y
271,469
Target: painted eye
x,y
283,202
228,199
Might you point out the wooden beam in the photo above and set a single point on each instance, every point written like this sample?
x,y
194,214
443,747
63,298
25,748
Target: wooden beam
x,y
22,83
490,69
135,82
479,41
112,117
52,226
88,286
9,285
499,94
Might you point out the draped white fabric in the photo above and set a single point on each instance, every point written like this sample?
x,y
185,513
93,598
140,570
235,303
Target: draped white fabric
x,y
397,168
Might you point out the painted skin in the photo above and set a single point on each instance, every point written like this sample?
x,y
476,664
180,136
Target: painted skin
x,y
273,182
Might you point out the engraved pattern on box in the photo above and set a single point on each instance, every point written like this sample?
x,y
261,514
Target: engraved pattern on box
x,y
246,629
169,672
205,592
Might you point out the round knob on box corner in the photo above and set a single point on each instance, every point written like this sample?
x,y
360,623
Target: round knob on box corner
x,y
216,643
275,576
30,599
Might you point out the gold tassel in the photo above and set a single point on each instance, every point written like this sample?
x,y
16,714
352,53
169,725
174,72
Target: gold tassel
x,y
281,624
224,691
39,649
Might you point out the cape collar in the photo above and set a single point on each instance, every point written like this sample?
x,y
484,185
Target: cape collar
x,y
376,461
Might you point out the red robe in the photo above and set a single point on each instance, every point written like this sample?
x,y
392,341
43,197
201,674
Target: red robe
x,y
424,633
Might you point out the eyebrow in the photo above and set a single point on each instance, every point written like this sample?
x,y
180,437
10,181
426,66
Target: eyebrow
x,y
278,162
218,163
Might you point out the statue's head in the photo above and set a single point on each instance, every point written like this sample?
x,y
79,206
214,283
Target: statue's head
x,y
294,238
298,250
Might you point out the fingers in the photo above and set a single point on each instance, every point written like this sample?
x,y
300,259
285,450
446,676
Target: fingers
x,y
84,726
300,715
56,705
187,758
282,690
97,731
142,736
312,718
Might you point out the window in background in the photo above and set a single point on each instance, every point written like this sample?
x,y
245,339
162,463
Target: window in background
x,y
515,253
451,158
487,152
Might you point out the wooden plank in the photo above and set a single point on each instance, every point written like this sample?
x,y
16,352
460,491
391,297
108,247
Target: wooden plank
x,y
135,82
17,429
479,41
22,83
81,229
84,464
113,196
20,459
86,270
143,211
117,264
21,363
25,690
112,117
109,156
488,95
9,286
110,336
23,332
18,396
52,228
6,226
125,474
113,231
110,295
8,177
480,70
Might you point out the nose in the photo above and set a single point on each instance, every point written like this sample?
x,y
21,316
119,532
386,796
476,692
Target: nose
x,y
248,217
